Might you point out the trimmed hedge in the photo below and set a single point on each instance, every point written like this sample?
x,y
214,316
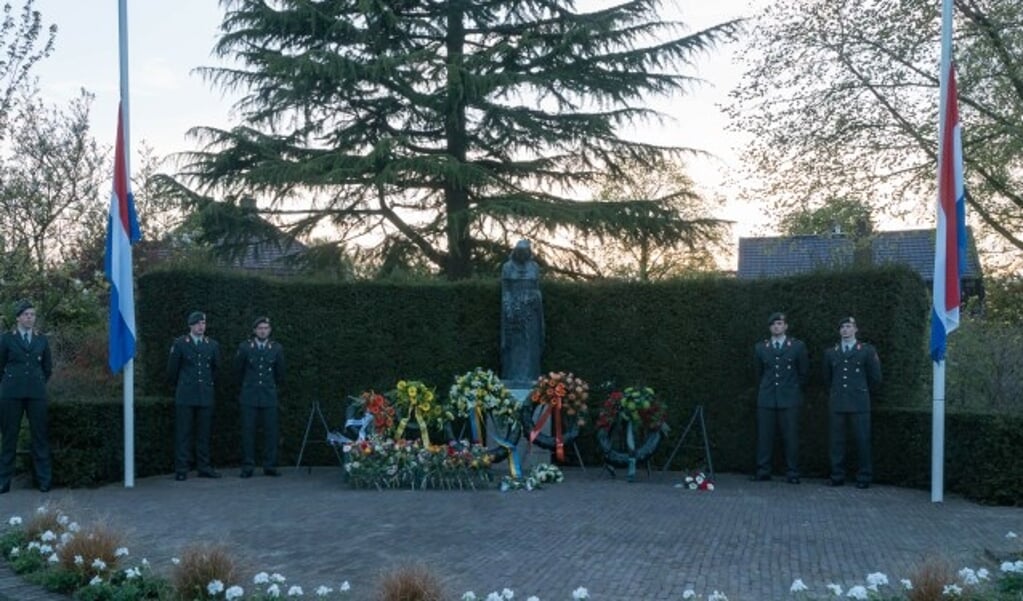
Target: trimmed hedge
x,y
691,340
984,468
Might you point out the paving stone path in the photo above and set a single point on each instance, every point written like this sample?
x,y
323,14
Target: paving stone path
x,y
645,540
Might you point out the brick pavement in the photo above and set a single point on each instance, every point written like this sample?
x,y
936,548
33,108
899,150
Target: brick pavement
x,y
644,540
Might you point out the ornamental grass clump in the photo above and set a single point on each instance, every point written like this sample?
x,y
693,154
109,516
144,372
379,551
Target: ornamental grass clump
x,y
49,517
410,583
199,570
92,552
929,580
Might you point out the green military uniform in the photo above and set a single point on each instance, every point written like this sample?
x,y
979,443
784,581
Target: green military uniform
x,y
191,368
781,372
260,369
26,366
851,376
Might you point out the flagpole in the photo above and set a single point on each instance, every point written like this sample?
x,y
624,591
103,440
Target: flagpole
x,y
129,367
938,402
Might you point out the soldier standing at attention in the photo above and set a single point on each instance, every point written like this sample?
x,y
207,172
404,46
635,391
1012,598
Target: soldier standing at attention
x,y
191,369
852,371
781,366
259,364
25,366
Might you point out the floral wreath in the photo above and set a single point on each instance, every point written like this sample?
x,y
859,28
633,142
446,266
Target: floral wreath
x,y
637,405
417,403
375,404
479,393
634,410
563,398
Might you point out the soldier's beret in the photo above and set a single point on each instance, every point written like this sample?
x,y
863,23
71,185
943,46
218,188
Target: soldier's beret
x,y
259,320
22,306
776,316
847,320
195,317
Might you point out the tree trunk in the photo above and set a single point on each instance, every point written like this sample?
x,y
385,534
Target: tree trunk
x,y
456,196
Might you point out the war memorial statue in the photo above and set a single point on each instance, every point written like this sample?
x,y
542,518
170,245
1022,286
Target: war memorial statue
x,y
522,326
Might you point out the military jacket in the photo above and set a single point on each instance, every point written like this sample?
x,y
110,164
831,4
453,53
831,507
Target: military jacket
x,y
25,368
851,377
191,368
260,371
781,373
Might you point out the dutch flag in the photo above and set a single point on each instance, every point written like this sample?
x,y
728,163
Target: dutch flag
x,y
950,231
122,232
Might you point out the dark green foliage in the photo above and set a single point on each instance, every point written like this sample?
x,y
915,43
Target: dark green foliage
x,y
56,580
432,122
982,457
1011,587
87,437
690,340
981,453
126,590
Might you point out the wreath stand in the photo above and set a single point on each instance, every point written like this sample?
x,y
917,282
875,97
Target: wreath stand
x,y
633,460
316,411
549,450
522,395
547,455
697,417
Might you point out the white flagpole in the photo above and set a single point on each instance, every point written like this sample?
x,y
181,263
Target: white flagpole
x,y
129,367
938,403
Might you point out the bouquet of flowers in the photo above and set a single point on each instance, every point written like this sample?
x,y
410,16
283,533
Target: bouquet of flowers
x,y
545,473
540,474
383,463
564,392
481,390
698,481
638,405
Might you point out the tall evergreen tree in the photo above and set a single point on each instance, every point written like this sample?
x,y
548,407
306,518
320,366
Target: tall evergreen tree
x,y
445,126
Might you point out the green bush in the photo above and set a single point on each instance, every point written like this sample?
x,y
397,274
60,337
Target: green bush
x,y
691,340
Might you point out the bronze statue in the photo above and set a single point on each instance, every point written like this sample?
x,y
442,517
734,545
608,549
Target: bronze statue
x,y
522,327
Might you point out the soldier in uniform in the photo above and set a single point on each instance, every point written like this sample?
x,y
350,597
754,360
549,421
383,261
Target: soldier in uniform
x,y
782,366
191,368
852,371
259,364
26,365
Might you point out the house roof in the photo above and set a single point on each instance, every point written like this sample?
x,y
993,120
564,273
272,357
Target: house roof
x,y
781,256
254,254
270,257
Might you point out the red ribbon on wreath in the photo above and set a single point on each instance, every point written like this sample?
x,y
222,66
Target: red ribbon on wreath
x,y
559,444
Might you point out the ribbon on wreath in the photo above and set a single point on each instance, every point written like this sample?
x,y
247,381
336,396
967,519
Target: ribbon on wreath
x,y
424,434
630,444
514,463
339,438
476,421
559,444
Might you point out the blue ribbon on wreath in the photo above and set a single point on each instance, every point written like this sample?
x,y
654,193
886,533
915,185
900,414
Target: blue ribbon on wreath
x,y
514,464
630,444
